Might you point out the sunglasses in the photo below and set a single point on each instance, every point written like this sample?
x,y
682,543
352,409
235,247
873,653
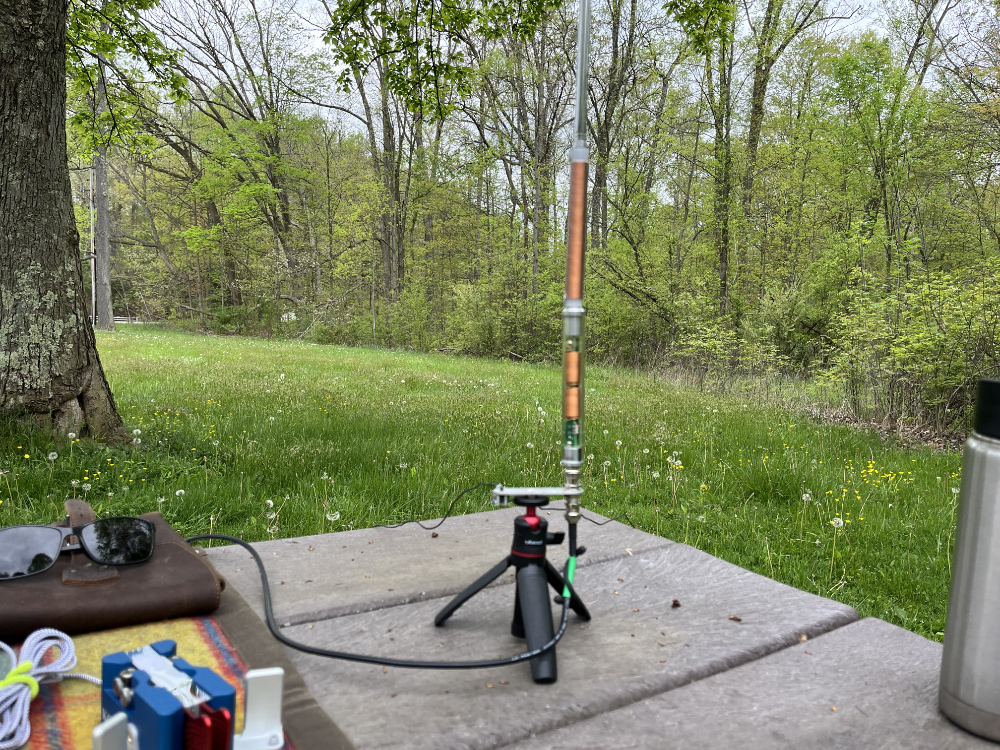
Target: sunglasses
x,y
29,550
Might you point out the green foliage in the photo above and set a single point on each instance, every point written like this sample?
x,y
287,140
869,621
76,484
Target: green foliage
x,y
110,38
873,190
417,46
704,21
916,353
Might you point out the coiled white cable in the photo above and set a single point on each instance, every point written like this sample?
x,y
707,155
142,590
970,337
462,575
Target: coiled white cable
x,y
15,699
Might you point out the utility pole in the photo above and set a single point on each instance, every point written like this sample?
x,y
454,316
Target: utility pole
x,y
93,256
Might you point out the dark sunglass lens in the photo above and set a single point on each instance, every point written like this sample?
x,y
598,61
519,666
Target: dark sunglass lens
x,y
118,541
25,550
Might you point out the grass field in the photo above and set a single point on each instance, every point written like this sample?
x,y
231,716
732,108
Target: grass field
x,y
268,439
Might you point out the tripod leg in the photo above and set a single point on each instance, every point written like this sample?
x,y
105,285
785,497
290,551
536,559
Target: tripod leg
x,y
558,582
536,612
517,624
479,584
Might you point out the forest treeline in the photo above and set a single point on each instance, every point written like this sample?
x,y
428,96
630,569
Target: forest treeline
x,y
813,192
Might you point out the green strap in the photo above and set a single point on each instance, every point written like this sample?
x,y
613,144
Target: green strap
x,y
19,675
570,570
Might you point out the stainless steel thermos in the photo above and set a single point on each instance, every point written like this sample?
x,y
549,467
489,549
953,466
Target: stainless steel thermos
x,y
970,666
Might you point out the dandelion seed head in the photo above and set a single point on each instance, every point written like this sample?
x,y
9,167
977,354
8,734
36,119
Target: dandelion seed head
x,y
837,523
71,435
179,493
85,487
333,516
137,432
53,456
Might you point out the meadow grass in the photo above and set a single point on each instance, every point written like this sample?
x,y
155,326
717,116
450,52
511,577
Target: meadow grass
x,y
265,439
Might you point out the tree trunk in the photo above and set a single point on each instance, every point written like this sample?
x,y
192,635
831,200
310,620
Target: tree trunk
x,y
721,103
49,365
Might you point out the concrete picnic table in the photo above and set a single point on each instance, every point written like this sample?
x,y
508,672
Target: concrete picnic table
x,y
743,661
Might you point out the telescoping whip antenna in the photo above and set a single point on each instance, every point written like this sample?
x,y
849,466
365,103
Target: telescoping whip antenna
x,y
574,344
535,574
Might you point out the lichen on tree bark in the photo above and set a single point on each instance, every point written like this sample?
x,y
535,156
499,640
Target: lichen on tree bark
x,y
49,367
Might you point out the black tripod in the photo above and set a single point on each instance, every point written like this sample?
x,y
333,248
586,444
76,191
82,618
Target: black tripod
x,y
532,611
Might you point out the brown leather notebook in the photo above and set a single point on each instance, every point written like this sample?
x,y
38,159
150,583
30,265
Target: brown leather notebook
x,y
77,595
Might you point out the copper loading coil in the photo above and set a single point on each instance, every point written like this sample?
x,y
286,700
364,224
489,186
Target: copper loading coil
x,y
572,368
577,230
571,403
